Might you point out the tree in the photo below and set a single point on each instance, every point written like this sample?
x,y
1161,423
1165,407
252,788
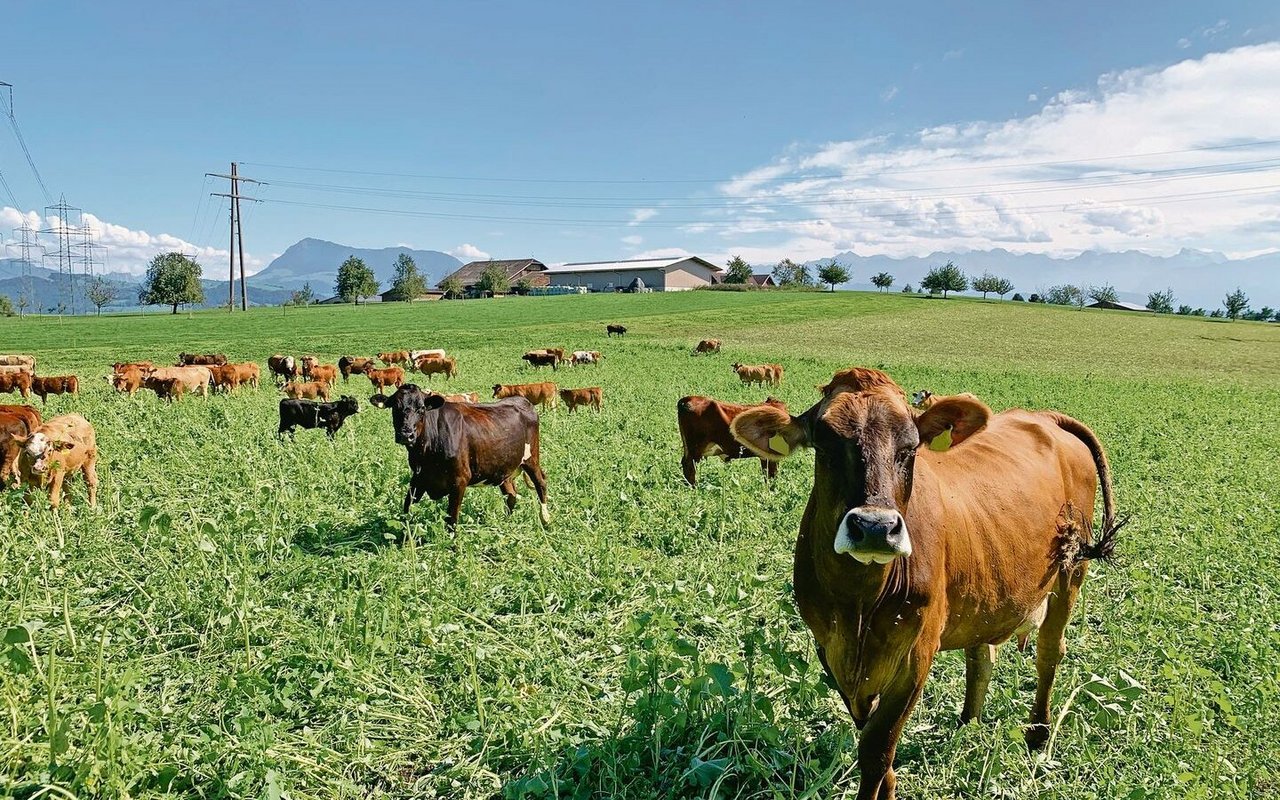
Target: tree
x,y
1018,298
101,291
1199,312
882,280
23,303
1003,287
303,297
832,273
1063,295
1265,314
452,287
784,274
1161,302
1216,313
992,283
1184,310
6,306
355,280
524,286
737,270
908,289
1236,303
408,283
494,280
1035,298
1105,293
947,278
172,280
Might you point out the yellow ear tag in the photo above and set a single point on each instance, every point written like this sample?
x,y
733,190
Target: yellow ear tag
x,y
779,445
942,442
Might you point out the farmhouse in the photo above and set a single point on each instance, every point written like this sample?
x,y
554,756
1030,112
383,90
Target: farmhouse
x,y
762,279
394,296
671,274
1118,305
515,269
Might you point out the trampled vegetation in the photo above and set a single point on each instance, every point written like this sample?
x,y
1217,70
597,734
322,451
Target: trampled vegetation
x,y
242,617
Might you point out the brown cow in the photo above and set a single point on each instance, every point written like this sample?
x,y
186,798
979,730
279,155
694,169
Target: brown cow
x,y
394,357
305,364
127,380
248,373
433,365
540,394
201,360
558,352
61,445
282,366
311,390
704,432
170,389
923,399
611,329
382,378
759,373
18,381
541,358
707,346
196,380
592,396
354,365
224,377
44,386
461,397
324,373
14,421
122,366
949,529
417,355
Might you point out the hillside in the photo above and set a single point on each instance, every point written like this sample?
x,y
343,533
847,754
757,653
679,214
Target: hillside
x,y
316,261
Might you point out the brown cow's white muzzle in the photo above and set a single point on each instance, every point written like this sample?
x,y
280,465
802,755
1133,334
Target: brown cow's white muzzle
x,y
873,535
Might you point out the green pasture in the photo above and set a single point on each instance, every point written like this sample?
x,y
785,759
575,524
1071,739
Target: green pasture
x,y
241,617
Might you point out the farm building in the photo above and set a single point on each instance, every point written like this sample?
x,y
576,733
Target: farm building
x,y
516,270
393,296
640,274
1118,305
337,300
762,279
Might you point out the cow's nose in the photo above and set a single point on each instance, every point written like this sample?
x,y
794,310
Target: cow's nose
x,y
871,533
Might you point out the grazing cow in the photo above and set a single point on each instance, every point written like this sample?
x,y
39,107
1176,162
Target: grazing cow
x,y
18,381
591,396
433,365
305,364
948,529
417,355
201,360
382,378
324,373
759,373
452,446
394,357
704,431
248,373
306,414
19,360
61,445
122,366
195,380
707,346
224,377
354,365
127,380
611,329
14,421
170,389
282,366
558,352
311,390
586,357
541,358
44,386
461,397
540,394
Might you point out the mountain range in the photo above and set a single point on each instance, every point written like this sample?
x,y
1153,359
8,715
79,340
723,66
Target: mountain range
x,y
1197,277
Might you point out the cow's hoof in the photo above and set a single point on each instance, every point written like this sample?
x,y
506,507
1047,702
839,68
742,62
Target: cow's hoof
x,y
1036,736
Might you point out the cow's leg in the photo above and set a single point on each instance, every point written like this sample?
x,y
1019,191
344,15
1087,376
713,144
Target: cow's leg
x,y
879,740
455,506
1051,646
411,496
769,468
90,470
822,659
539,480
689,465
55,489
509,489
978,662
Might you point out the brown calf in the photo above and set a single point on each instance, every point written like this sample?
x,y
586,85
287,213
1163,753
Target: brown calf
x,y
540,394
127,380
121,366
195,380
707,346
248,373
437,365
394,357
592,396
704,431
201,360
382,378
18,381
952,529
311,390
759,373
170,389
461,397
14,421
225,377
61,445
354,365
44,386
324,373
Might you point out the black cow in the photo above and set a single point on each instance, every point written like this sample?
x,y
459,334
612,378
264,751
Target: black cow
x,y
455,445
309,414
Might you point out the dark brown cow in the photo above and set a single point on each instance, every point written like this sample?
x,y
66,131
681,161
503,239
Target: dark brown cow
x,y
541,358
306,363
170,389
282,366
354,365
201,360
540,394
452,446
591,396
438,365
382,378
704,431
44,386
19,421
707,346
950,529
18,381
611,329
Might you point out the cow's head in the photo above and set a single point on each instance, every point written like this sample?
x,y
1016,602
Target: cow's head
x,y
40,449
408,405
346,406
497,389
865,438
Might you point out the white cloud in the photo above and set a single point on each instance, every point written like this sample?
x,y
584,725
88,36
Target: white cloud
x,y
1184,43
1216,28
1138,161
952,55
888,94
642,214
468,252
632,240
1033,97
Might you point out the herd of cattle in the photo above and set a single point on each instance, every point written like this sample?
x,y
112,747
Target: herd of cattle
x,y
932,524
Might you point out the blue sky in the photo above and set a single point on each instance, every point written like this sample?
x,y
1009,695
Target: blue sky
x,y
125,106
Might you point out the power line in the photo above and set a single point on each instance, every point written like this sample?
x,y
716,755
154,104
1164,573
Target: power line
x,y
237,234
17,132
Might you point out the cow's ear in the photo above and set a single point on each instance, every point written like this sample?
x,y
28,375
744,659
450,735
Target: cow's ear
x,y
378,400
61,445
957,417
433,402
769,432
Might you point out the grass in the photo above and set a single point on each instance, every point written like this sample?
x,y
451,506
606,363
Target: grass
x,y
242,618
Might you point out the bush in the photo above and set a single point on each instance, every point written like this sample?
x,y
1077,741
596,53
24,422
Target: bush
x,y
1017,297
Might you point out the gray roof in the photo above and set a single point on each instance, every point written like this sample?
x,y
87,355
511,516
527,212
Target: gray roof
x,y
515,268
630,264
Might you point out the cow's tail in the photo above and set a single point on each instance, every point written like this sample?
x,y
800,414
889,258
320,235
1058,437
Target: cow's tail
x,y
1103,547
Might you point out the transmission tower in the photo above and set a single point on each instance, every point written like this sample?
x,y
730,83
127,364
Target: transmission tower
x,y
88,260
64,231
237,232
26,243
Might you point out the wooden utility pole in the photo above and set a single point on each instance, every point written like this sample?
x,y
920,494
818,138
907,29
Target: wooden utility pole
x,y
237,235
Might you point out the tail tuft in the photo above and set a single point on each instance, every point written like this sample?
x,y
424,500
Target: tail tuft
x,y
1104,547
